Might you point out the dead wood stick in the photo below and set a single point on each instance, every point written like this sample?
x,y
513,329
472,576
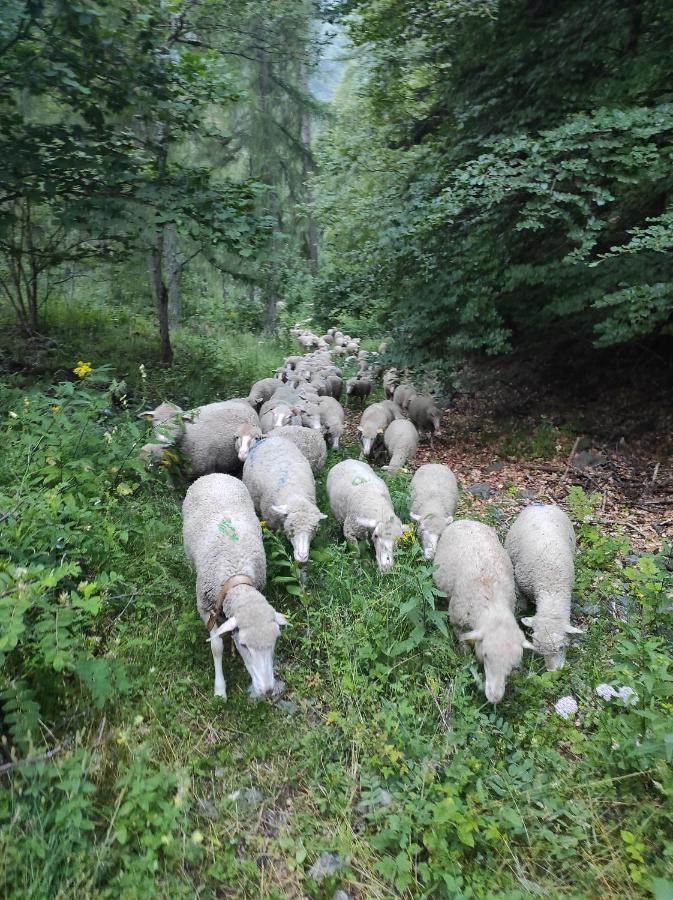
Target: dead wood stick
x,y
569,463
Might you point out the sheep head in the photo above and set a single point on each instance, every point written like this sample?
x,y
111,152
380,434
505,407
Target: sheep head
x,y
550,639
301,518
499,648
255,627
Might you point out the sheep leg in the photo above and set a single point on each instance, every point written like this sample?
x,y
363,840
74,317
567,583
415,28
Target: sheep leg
x,y
217,646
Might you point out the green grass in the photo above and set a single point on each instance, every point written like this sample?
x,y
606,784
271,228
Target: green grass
x,y
384,750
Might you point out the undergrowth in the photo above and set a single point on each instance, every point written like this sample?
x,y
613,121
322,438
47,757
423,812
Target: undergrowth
x,y
123,776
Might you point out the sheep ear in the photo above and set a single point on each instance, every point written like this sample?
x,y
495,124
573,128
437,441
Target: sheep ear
x,y
527,645
322,516
187,417
280,619
415,517
573,629
366,523
471,636
148,414
360,428
230,625
528,621
280,510
449,520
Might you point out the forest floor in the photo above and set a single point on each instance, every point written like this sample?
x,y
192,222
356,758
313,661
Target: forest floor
x,y
380,771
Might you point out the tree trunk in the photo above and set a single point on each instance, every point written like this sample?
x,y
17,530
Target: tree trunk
x,y
160,289
308,168
173,271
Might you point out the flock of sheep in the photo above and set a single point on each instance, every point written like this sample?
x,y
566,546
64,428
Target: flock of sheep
x,y
278,434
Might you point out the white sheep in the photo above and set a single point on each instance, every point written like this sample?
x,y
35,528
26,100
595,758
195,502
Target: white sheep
x,y
310,442
205,436
475,572
433,498
425,415
541,545
403,395
374,421
263,390
332,418
401,441
282,488
360,501
391,380
223,541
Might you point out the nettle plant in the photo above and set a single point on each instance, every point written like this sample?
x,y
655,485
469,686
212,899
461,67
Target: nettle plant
x,y
67,475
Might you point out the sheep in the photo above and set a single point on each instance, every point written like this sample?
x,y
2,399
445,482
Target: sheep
x,y
360,501
391,380
425,415
279,415
263,390
432,502
383,348
475,572
334,385
310,442
310,415
541,545
401,440
282,487
223,541
358,387
374,421
246,438
403,395
168,421
206,437
332,418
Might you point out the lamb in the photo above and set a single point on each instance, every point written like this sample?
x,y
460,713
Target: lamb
x,y
282,488
223,541
263,390
279,415
332,418
476,573
310,442
247,437
206,436
360,501
374,421
432,503
425,415
403,395
391,380
401,440
541,545
358,387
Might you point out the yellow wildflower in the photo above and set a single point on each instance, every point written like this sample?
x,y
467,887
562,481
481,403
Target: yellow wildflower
x,y
56,408
263,525
82,369
407,534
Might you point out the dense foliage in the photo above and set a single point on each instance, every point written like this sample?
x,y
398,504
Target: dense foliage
x,y
497,167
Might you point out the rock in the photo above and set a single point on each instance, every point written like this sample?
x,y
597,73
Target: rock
x,y
587,459
341,895
326,864
499,515
248,798
207,808
525,495
220,772
378,799
494,467
481,490
584,443
632,558
590,609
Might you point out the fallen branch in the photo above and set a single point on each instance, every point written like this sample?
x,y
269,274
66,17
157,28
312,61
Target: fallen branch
x,y
6,767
